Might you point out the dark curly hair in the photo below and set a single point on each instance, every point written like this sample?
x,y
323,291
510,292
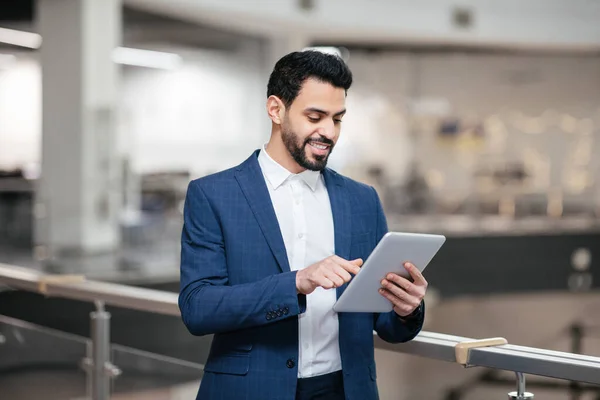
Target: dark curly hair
x,y
293,69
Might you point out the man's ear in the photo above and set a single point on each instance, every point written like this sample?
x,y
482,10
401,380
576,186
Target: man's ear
x,y
275,109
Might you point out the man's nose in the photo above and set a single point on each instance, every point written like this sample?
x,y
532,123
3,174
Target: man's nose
x,y
328,130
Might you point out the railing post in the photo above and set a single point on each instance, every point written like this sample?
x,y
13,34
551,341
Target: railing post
x,y
99,368
520,394
577,332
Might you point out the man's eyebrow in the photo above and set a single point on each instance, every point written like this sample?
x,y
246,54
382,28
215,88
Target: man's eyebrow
x,y
319,111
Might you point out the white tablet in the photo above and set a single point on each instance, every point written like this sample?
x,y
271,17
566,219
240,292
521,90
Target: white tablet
x,y
390,254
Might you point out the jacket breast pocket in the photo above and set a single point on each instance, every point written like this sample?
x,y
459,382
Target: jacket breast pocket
x,y
361,245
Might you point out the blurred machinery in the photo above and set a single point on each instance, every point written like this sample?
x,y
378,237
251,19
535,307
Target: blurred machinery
x,y
16,209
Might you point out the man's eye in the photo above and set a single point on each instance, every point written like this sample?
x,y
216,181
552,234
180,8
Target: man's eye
x,y
314,119
337,121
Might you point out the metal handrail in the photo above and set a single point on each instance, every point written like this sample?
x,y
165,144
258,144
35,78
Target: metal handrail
x,y
442,347
98,366
154,301
529,360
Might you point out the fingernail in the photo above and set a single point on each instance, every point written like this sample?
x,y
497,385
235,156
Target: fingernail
x,y
390,277
383,282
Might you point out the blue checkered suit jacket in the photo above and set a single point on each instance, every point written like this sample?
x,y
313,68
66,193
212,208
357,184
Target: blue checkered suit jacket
x,y
236,283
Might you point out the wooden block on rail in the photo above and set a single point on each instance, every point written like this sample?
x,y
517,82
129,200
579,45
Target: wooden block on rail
x,y
462,349
49,279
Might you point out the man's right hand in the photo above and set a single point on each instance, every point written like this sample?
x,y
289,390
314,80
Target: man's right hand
x,y
329,273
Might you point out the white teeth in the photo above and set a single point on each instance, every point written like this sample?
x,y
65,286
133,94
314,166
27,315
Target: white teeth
x,y
318,146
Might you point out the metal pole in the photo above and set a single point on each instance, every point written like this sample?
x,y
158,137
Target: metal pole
x,y
520,394
576,347
99,368
100,352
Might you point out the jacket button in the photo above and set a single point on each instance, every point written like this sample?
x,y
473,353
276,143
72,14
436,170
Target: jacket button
x,y
279,313
268,316
286,311
290,363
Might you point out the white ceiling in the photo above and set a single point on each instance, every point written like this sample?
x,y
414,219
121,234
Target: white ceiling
x,y
544,24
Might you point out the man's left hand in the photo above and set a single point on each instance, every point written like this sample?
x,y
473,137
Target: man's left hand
x,y
405,295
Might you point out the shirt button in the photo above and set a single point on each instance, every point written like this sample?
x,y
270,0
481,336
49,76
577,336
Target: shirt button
x,y
290,363
300,235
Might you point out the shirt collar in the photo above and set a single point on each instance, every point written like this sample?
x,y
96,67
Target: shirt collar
x,y
276,174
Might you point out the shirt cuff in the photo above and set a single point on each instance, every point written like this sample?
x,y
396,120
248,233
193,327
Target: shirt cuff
x,y
415,315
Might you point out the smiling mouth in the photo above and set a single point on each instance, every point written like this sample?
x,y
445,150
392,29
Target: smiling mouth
x,y
319,145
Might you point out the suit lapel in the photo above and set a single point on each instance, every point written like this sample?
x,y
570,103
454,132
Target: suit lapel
x,y
340,208
254,187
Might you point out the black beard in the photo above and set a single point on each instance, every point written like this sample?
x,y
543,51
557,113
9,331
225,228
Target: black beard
x,y
298,152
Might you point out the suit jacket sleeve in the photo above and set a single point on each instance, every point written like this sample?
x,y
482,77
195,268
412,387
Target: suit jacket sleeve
x,y
389,326
207,302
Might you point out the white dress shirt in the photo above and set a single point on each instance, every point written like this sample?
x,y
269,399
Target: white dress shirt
x,y
303,211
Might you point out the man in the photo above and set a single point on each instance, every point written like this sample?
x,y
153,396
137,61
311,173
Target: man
x,y
268,246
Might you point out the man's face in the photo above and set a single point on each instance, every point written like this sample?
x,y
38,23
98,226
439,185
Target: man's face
x,y
312,123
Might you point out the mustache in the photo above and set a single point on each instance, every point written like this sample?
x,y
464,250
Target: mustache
x,y
321,139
